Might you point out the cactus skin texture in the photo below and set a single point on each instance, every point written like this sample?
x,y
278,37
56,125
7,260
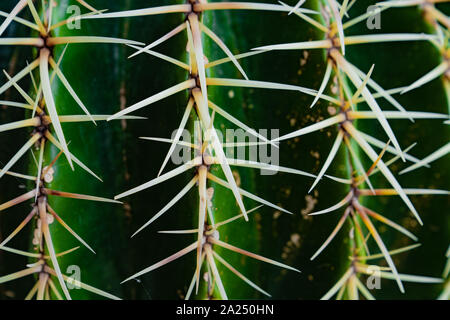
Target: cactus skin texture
x,y
102,225
432,99
434,234
48,241
12,59
183,244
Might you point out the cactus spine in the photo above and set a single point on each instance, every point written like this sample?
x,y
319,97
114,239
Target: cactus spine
x,y
230,74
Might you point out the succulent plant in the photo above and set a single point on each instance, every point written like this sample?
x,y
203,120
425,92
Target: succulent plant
x,y
236,144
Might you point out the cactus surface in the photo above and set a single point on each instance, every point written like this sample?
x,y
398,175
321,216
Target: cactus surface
x,y
190,149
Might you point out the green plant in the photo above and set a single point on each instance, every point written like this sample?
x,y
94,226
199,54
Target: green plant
x,y
363,207
214,186
48,177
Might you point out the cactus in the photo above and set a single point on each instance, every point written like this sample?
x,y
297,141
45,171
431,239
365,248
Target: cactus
x,y
350,103
48,177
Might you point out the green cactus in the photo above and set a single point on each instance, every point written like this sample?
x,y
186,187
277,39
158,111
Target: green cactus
x,y
231,219
50,180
